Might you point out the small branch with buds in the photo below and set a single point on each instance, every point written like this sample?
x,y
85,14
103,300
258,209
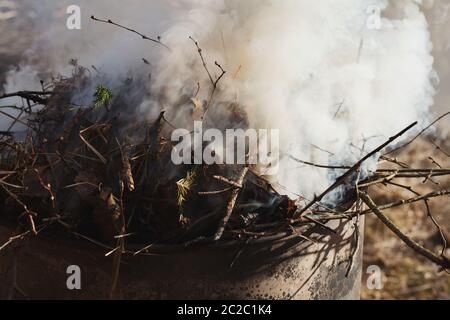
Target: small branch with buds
x,y
109,21
215,82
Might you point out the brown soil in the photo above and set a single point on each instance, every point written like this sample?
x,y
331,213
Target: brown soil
x,y
405,275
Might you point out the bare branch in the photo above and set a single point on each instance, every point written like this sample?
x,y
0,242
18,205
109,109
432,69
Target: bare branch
x,y
200,53
230,205
353,169
29,95
419,134
442,261
109,21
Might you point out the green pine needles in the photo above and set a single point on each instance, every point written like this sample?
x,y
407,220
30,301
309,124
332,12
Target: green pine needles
x,y
102,96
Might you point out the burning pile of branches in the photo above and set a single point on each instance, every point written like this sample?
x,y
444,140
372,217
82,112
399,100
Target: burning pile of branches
x,y
98,173
97,170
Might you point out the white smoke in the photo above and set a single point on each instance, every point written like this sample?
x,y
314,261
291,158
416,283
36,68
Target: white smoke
x,y
312,69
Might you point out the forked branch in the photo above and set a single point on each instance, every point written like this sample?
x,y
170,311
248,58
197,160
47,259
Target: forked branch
x,y
442,261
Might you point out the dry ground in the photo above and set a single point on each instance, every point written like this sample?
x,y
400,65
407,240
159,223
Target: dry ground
x,y
405,275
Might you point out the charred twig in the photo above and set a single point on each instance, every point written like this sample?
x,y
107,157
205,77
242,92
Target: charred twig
x,y
223,72
442,261
29,95
386,158
418,135
353,169
6,133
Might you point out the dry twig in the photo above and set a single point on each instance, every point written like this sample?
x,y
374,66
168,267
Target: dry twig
x,y
230,206
339,181
109,21
442,261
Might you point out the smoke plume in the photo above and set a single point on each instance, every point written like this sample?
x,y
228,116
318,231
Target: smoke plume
x,y
335,85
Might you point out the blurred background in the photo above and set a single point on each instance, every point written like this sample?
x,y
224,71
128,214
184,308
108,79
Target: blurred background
x,y
404,275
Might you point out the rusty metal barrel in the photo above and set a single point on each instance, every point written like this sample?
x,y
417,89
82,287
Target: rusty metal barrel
x,y
287,267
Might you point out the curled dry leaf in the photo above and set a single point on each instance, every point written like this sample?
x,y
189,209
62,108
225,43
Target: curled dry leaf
x,y
198,111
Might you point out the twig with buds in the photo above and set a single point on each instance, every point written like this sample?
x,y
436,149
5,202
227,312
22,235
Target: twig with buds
x,y
34,96
215,82
109,21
